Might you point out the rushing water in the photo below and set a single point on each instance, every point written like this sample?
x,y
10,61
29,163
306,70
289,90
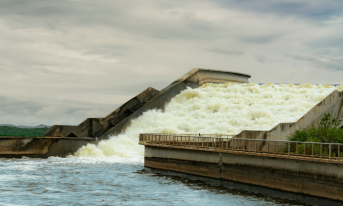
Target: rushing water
x,y
115,181
108,173
216,109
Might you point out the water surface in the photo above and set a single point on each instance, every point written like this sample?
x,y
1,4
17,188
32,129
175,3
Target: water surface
x,y
82,181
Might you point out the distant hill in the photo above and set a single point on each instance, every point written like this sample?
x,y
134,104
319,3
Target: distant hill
x,y
12,130
23,126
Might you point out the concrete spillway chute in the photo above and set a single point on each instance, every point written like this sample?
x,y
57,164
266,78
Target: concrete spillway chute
x,y
62,140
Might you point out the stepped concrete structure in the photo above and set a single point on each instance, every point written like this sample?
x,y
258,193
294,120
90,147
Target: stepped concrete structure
x,y
62,140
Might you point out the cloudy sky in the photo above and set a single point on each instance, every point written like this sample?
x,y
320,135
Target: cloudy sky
x,y
63,61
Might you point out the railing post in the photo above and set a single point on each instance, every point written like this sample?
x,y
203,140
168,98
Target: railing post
x,y
321,149
221,143
202,142
296,149
223,147
255,146
312,150
195,142
329,151
289,148
274,148
339,154
220,140
166,142
304,149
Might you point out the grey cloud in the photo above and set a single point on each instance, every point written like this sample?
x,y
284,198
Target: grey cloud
x,y
18,107
315,10
236,52
333,64
259,39
119,16
261,59
63,61
327,45
18,111
108,51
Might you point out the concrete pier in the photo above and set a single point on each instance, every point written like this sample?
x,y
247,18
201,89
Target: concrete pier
x,y
306,178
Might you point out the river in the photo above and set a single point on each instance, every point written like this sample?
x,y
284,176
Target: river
x,y
111,181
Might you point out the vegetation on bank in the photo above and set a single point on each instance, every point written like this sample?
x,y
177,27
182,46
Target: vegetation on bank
x,y
326,131
26,132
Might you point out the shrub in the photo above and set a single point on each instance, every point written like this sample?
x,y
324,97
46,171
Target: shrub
x,y
327,131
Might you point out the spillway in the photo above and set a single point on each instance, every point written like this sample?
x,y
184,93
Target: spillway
x,y
201,101
216,109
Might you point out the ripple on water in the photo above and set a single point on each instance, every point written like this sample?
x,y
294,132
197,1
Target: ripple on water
x,y
81,181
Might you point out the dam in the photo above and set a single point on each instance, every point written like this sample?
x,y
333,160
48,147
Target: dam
x,y
63,140
211,124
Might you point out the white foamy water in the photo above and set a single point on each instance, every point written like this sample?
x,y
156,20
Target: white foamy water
x,y
215,109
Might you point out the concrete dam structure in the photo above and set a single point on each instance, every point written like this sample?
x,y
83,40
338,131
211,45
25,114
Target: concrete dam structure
x,y
213,126
63,140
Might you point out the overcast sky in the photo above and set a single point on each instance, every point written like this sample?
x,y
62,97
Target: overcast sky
x,y
63,61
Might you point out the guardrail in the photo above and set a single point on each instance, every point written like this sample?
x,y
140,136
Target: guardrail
x,y
311,151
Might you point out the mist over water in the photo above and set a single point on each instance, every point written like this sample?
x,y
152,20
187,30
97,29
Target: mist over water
x,y
215,109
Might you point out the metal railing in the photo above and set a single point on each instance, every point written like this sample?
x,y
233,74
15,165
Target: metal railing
x,y
311,151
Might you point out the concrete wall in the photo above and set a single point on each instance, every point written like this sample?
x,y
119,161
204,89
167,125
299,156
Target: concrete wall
x,y
318,179
17,147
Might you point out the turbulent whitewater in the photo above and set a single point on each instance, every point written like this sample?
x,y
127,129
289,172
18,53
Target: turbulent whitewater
x,y
215,109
